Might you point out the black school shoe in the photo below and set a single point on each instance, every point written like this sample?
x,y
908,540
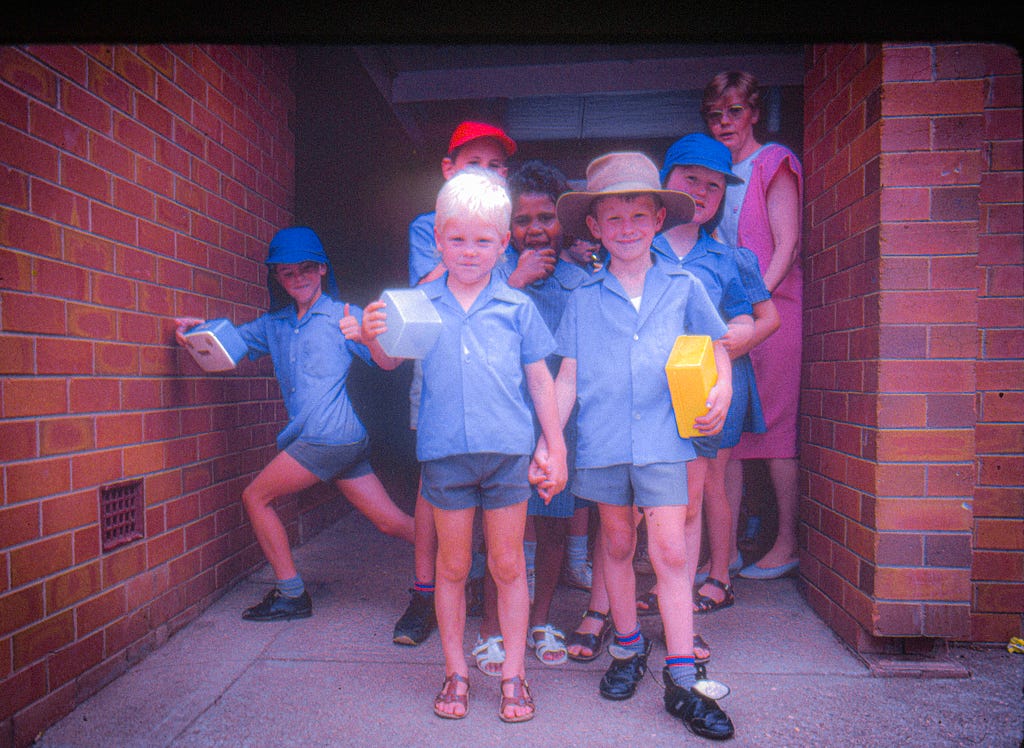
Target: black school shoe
x,y
416,622
623,675
278,607
701,715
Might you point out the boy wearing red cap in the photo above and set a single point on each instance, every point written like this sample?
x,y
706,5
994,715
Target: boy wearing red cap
x,y
472,144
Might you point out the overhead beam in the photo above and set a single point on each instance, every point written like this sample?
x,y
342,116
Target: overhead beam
x,y
673,74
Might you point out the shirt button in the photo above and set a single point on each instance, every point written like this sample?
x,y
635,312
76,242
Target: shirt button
x,y
636,416
636,337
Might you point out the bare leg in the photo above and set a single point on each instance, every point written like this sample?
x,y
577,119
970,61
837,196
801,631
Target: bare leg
x,y
618,533
503,533
598,599
425,546
734,494
666,528
784,473
720,524
551,532
282,476
696,471
454,554
367,494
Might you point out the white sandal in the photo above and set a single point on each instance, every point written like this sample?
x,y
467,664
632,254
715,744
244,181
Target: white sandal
x,y
490,652
553,642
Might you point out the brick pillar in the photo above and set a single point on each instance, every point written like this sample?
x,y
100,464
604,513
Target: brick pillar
x,y
137,183
898,309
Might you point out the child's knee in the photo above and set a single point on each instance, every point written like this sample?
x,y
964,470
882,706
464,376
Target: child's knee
x,y
452,569
667,555
506,565
619,545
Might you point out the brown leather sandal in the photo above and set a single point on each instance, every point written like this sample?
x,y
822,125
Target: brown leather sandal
x,y
520,697
449,695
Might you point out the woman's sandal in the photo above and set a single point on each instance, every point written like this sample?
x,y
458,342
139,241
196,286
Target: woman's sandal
x,y
490,652
647,604
552,642
449,695
520,697
705,604
594,642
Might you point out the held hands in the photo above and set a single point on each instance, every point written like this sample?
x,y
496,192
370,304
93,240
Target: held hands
x,y
184,324
547,471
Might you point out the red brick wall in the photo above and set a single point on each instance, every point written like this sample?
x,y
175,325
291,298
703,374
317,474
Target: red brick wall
x,y
914,315
137,183
997,569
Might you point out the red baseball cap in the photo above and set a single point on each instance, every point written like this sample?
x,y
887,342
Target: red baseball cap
x,y
468,131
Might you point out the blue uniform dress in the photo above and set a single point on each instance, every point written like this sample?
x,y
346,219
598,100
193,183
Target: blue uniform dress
x,y
550,296
715,266
473,380
625,408
311,361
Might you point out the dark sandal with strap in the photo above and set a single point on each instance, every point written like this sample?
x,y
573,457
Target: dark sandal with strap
x,y
649,601
705,604
520,697
594,642
449,695
699,643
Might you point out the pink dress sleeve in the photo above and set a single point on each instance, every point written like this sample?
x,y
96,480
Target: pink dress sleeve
x,y
778,379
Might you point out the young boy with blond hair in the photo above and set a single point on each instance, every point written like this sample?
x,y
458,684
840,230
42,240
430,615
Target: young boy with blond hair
x,y
476,433
615,337
477,145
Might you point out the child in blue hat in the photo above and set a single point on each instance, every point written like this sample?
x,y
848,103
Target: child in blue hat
x,y
324,439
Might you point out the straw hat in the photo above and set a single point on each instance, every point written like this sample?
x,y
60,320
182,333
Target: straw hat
x,y
620,174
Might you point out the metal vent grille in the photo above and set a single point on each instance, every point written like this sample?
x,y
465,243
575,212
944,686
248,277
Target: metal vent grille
x,y
121,513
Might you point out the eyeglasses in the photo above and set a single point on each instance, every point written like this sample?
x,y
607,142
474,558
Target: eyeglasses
x,y
291,272
716,116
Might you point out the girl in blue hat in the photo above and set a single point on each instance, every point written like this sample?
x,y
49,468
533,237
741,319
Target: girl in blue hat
x,y
701,167
324,439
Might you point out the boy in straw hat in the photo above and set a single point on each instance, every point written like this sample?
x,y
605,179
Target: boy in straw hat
x,y
615,337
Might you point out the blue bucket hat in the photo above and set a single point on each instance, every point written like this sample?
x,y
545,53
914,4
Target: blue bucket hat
x,y
698,149
294,245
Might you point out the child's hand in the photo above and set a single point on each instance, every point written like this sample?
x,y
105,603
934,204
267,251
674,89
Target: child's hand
x,y
350,327
548,473
737,340
184,324
533,265
375,321
719,398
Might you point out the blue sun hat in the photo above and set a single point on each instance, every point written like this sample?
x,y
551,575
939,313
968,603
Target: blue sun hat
x,y
698,149
291,246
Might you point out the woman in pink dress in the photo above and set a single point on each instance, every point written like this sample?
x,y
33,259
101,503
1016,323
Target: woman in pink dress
x,y
764,215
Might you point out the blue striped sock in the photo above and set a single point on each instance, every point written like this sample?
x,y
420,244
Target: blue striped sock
x,y
633,640
424,588
291,587
681,670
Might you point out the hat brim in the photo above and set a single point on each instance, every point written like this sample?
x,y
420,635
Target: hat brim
x,y
572,208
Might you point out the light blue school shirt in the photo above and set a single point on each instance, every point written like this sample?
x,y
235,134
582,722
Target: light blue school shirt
x,y
473,380
550,294
311,361
714,265
625,409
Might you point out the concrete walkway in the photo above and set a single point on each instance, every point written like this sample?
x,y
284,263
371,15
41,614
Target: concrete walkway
x,y
337,680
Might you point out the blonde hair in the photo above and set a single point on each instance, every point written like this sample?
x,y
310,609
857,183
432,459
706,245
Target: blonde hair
x,y
476,192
